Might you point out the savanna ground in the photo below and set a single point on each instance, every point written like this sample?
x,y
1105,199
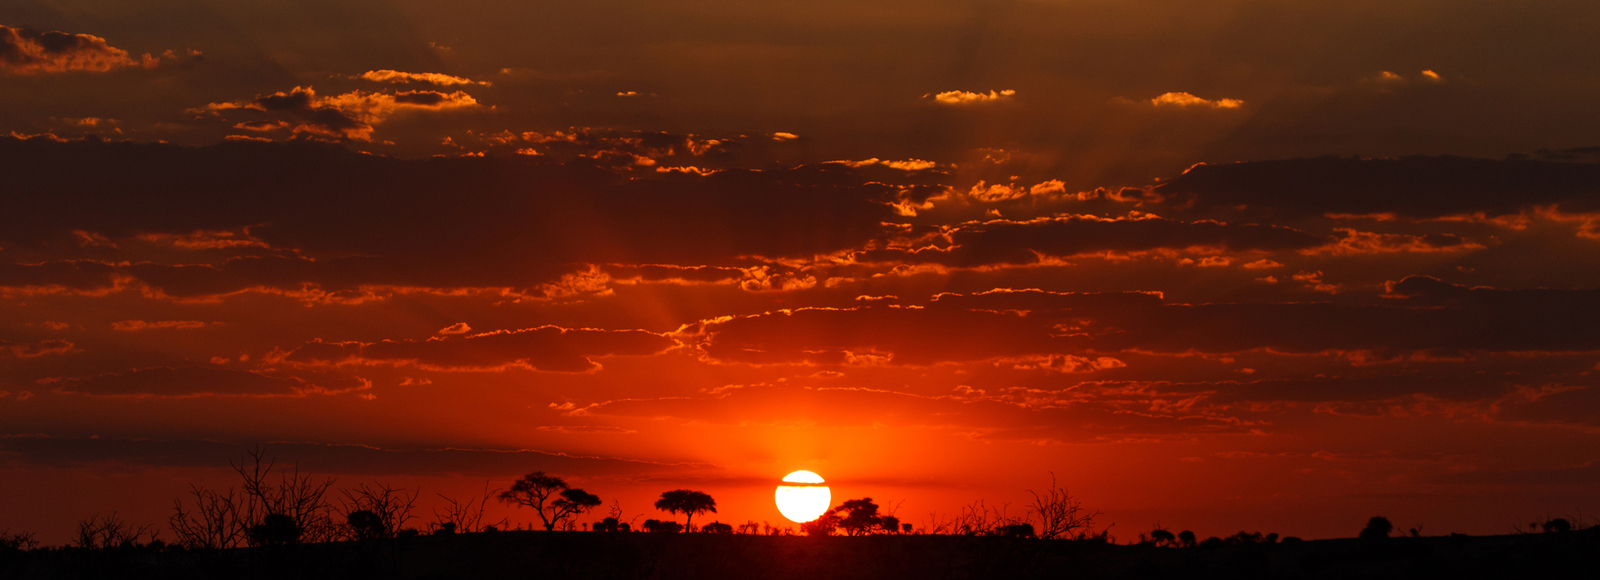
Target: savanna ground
x,y
583,555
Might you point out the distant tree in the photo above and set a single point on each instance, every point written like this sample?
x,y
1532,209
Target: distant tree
x,y
891,524
1060,514
717,528
1557,525
445,529
607,525
104,532
550,497
1017,530
623,528
17,541
1163,537
860,516
1377,528
688,502
1213,542
905,528
1186,539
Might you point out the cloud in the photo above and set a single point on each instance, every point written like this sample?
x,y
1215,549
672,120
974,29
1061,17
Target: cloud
x,y
1186,100
25,51
545,348
137,325
1024,242
198,381
1406,187
968,98
36,349
349,115
457,328
397,77
323,458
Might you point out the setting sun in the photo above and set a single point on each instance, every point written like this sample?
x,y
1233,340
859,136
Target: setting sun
x,y
806,501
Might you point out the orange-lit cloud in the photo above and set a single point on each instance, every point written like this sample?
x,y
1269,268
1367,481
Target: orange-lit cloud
x,y
968,98
1186,100
443,80
25,51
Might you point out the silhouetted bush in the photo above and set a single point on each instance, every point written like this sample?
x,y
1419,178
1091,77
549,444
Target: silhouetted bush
x,y
607,525
1163,537
1186,539
104,532
1377,528
1557,525
17,541
890,524
445,529
822,526
1291,540
1017,531
275,530
717,528
660,527
365,524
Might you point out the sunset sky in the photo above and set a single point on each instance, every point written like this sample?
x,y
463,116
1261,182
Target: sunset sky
x,y
1276,265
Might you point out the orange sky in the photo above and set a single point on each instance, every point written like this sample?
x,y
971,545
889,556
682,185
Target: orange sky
x,y
1229,265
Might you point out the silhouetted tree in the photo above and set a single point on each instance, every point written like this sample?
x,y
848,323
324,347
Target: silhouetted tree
x,y
104,532
717,528
1377,528
689,502
860,516
17,541
1060,514
905,528
607,525
1186,539
1163,537
550,497
1557,525
389,507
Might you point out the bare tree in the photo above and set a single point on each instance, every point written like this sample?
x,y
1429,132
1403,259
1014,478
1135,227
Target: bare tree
x,y
1061,516
298,497
216,522
467,516
389,509
104,532
17,541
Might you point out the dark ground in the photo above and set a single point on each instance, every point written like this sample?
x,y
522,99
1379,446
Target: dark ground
x,y
586,555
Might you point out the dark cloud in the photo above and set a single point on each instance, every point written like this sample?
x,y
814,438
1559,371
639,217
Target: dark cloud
x,y
547,348
1008,414
318,458
440,223
1009,242
25,51
1411,187
1582,475
191,382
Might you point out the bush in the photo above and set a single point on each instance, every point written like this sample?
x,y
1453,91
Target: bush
x,y
1378,528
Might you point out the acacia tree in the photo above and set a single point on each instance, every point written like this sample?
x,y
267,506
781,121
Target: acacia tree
x,y
860,516
550,497
683,501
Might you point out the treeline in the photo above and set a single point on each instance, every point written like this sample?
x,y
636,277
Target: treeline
x,y
281,506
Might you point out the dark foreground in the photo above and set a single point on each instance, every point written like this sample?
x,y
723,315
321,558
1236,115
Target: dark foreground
x,y
581,555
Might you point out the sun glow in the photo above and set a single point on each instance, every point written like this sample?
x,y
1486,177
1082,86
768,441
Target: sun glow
x,y
806,501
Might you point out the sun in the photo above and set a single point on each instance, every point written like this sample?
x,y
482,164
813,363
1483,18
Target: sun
x,y
804,498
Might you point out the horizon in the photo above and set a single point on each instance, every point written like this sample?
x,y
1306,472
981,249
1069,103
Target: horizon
x,y
1234,265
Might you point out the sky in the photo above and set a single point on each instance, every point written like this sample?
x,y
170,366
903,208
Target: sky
x,y
1218,265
